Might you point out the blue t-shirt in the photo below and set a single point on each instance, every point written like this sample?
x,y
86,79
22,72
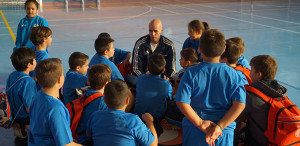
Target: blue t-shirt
x,y
119,56
49,122
117,128
22,92
210,88
73,80
24,28
115,73
244,62
151,94
188,43
40,55
96,105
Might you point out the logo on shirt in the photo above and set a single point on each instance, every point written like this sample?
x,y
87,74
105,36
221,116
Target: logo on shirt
x,y
35,25
23,25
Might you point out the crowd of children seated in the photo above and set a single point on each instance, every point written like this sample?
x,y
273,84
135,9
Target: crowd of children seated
x,y
205,97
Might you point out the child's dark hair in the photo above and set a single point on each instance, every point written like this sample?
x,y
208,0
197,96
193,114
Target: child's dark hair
x,y
104,35
102,44
115,94
39,33
197,25
32,1
239,42
48,71
265,64
156,64
231,53
21,57
189,54
77,59
98,75
212,43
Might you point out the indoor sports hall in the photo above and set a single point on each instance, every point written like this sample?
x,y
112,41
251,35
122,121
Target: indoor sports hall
x,y
269,27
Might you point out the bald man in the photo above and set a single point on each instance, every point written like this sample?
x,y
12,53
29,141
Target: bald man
x,y
154,42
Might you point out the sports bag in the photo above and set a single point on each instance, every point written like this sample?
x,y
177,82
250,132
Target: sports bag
x,y
5,108
283,120
75,109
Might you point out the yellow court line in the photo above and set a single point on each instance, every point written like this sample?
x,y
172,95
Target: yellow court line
x,y
8,27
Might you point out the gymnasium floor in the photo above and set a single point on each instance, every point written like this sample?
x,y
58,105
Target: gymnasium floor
x,y
267,27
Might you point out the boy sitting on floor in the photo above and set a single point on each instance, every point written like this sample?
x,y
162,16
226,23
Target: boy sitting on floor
x,y
76,76
114,126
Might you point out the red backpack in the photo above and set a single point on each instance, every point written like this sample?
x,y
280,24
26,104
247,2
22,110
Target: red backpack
x,y
75,109
283,120
4,108
245,71
124,71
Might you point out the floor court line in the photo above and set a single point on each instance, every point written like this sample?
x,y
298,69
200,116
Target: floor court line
x,y
260,4
153,5
97,18
288,85
254,15
173,13
8,27
239,19
166,10
4,34
127,18
248,13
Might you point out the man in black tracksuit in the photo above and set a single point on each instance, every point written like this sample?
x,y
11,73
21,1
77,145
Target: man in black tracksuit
x,y
154,42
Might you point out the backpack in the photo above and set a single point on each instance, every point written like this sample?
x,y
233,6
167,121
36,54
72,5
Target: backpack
x,y
5,108
75,109
283,120
245,71
124,71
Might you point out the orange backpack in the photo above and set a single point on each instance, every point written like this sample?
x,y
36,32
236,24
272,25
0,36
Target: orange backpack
x,y
283,120
75,109
245,71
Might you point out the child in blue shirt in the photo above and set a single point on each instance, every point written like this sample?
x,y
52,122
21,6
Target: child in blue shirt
x,y
98,76
211,95
119,55
41,37
21,87
152,91
115,127
50,120
188,58
105,50
31,20
242,60
230,57
76,76
195,28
